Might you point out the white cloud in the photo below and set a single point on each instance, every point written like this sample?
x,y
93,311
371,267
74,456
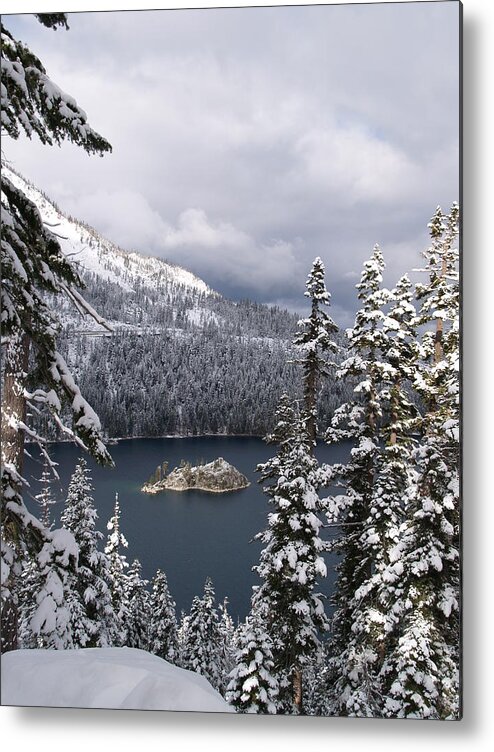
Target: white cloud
x,y
123,216
194,229
230,255
349,162
246,142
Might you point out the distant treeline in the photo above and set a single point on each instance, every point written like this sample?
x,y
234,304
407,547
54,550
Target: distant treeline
x,y
215,367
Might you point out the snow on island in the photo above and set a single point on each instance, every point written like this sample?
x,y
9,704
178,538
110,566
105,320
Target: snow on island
x,y
124,678
217,477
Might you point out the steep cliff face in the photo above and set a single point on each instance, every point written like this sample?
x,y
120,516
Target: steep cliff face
x,y
217,476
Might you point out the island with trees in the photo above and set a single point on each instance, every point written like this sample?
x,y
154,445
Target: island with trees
x,y
216,477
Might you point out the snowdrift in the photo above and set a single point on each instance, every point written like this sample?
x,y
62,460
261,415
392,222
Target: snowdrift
x,y
104,678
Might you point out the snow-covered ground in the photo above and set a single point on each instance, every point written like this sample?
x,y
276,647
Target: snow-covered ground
x,y
104,678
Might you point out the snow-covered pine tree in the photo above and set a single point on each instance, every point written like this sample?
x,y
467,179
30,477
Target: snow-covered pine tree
x,y
374,601
44,615
138,598
228,644
31,580
33,264
47,621
395,477
316,683
353,687
90,590
253,686
45,498
182,635
163,637
291,561
202,648
421,673
438,383
117,573
314,340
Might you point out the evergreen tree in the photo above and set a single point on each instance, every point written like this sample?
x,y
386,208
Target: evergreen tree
x,y
374,601
45,497
117,574
314,339
316,683
91,596
182,635
33,265
421,672
45,611
392,483
43,590
31,581
138,598
395,477
253,686
28,587
163,637
202,638
291,560
353,687
228,644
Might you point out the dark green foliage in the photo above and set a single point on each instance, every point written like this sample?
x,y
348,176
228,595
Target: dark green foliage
x,y
33,103
52,20
315,340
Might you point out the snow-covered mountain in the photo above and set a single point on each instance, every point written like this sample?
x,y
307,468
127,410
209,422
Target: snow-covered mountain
x,y
181,359
99,257
93,253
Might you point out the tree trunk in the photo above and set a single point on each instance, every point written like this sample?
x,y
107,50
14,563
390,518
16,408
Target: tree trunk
x,y
13,411
394,412
310,401
13,401
438,343
297,689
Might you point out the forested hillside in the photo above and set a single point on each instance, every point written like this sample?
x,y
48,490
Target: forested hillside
x,y
216,367
180,358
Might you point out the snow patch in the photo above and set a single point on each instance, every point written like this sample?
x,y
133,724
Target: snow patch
x,y
104,678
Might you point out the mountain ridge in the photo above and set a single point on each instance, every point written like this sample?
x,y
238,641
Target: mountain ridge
x,y
92,253
181,359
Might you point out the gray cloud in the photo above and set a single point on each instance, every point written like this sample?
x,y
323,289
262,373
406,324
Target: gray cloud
x,y
248,141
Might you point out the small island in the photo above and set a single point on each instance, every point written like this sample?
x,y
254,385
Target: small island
x,y
216,477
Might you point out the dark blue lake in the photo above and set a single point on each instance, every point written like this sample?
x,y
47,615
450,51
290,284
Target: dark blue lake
x,y
189,535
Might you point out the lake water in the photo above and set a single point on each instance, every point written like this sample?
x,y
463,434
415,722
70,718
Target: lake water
x,y
189,535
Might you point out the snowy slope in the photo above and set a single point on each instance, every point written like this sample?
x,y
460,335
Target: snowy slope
x,y
104,678
93,253
180,358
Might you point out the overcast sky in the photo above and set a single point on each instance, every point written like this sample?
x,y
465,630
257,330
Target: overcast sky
x,y
247,141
